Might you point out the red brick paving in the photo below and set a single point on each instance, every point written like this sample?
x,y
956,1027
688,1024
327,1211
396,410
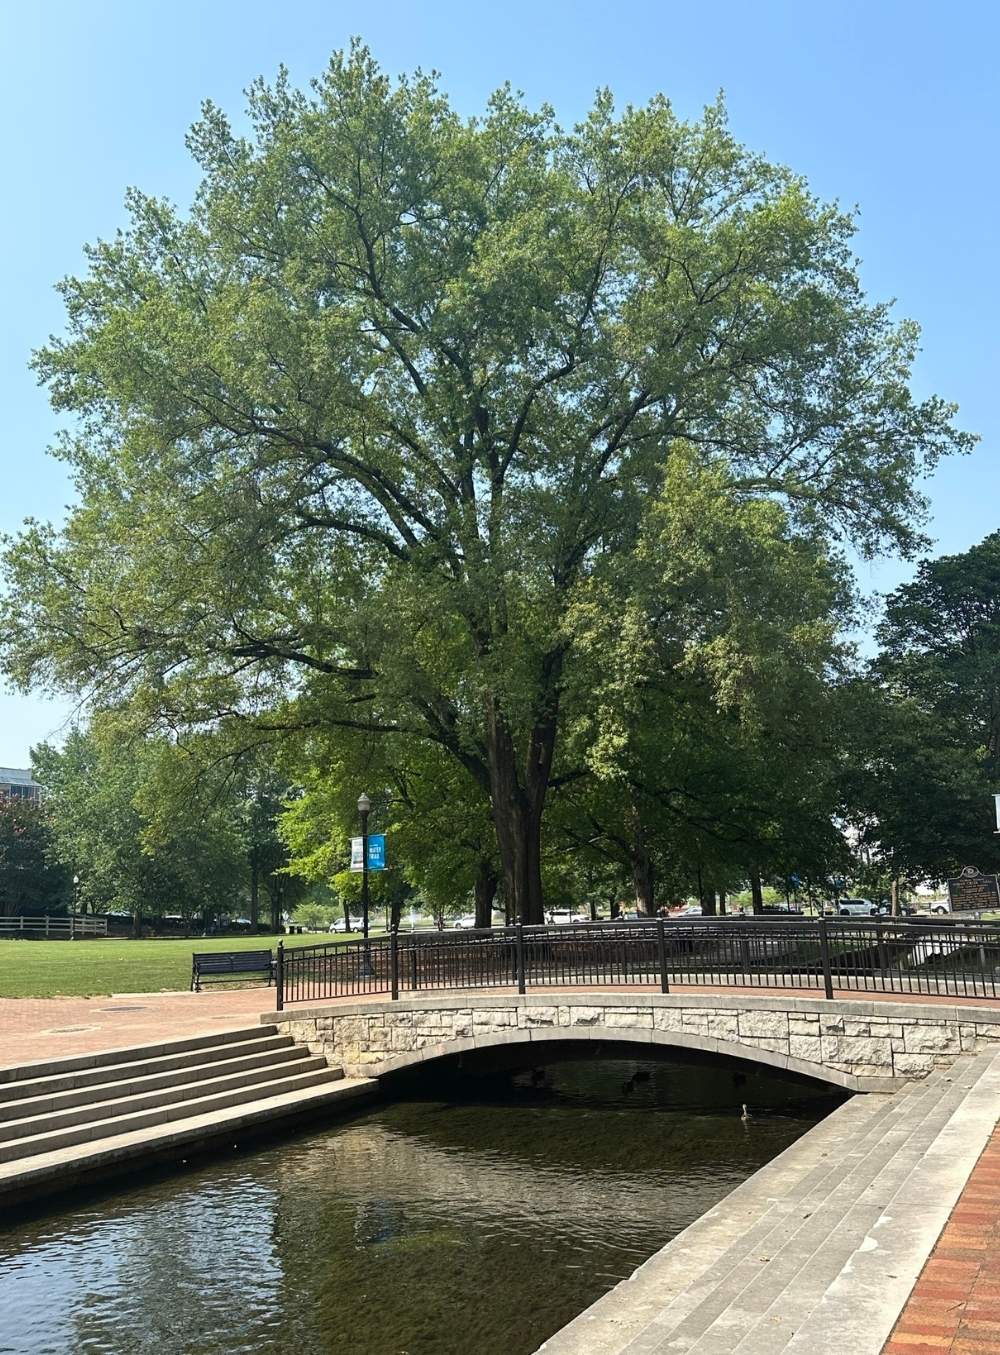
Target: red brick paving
x,y
34,1028
954,1308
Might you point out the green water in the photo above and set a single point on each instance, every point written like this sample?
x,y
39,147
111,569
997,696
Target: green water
x,y
474,1214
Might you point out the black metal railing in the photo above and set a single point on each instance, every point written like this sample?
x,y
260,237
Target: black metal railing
x,y
956,959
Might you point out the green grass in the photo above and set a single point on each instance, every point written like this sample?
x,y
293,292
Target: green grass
x,y
95,968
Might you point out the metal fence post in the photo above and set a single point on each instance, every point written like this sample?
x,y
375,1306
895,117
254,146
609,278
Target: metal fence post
x,y
661,946
883,954
824,957
519,952
394,962
279,976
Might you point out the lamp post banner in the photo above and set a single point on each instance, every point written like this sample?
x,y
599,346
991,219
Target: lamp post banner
x,y
376,852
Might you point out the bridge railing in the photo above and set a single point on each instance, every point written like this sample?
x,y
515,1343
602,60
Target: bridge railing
x,y
956,959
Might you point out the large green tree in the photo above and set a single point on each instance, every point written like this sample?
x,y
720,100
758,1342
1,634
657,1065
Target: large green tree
x,y
356,428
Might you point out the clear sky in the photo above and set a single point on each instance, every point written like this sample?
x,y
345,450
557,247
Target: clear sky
x,y
887,104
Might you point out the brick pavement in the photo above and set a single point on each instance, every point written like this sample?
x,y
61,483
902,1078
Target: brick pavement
x,y
954,1308
34,1028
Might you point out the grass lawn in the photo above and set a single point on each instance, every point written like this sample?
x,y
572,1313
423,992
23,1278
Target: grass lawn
x,y
98,967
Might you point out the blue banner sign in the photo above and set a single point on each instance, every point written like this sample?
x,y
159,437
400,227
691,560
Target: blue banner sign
x,y
376,852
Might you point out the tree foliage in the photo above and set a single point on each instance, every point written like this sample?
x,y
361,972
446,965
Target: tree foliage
x,y
358,434
31,882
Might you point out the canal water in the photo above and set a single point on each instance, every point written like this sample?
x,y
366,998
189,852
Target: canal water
x,y
476,1213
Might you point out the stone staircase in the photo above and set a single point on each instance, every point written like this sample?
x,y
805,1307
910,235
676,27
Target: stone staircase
x,y
67,1119
818,1251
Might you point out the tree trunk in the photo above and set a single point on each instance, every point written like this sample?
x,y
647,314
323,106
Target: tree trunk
x,y
894,895
254,891
486,889
642,876
517,805
137,922
708,903
347,916
756,892
722,903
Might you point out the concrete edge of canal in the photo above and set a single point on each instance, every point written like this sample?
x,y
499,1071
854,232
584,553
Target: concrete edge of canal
x,y
818,1251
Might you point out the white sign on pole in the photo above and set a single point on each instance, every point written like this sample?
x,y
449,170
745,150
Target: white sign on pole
x,y
357,854
996,801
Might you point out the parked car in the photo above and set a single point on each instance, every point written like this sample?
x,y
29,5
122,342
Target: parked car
x,y
466,920
856,908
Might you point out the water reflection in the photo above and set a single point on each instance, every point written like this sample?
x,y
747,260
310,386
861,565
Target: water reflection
x,y
474,1213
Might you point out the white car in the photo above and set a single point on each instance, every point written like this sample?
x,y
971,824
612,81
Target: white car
x,y
856,908
467,920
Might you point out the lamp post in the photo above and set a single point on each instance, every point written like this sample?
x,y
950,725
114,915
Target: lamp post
x,y
364,809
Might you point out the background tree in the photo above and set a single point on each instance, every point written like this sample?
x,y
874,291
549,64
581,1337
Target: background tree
x,y
364,422
926,745
110,825
30,881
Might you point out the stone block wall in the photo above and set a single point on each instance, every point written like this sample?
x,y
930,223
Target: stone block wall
x,y
860,1045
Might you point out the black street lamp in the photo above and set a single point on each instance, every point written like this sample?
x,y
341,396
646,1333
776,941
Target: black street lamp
x,y
364,809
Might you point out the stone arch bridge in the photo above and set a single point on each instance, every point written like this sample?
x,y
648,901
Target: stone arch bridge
x,y
863,1045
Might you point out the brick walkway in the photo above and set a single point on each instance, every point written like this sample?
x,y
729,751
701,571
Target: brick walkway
x,y
955,1305
34,1028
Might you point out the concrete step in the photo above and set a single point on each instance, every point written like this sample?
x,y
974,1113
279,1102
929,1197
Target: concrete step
x,y
70,1074
863,1126
56,1169
740,1301
674,1280
20,1072
34,1144
810,1253
792,1306
694,1278
864,1300
132,1100
759,1260
259,1053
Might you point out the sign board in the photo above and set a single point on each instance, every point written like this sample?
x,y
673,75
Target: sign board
x,y
971,892
376,852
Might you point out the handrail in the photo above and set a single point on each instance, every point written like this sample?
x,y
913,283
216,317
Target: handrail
x,y
931,956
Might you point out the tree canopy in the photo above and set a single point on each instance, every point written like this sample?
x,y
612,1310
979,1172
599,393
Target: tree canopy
x,y
358,434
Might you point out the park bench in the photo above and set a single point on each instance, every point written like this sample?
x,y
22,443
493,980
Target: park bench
x,y
217,966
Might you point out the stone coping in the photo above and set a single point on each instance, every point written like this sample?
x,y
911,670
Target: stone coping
x,y
743,999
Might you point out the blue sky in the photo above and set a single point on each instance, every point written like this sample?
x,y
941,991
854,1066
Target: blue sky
x,y
887,105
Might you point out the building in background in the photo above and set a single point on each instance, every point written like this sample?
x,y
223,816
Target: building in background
x,y
17,784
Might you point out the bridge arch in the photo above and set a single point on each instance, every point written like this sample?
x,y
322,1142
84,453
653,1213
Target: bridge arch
x,y
860,1045
640,1040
